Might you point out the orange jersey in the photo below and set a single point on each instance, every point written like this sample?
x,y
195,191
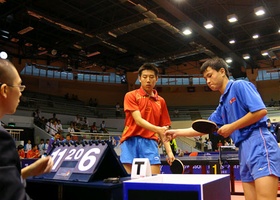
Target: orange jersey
x,y
152,109
33,154
21,154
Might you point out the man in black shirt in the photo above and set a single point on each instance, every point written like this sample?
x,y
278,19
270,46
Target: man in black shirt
x,y
11,174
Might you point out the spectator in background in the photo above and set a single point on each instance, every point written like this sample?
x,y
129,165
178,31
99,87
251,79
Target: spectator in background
x,y
176,113
68,139
53,118
174,147
54,128
271,128
59,126
84,123
34,152
28,146
197,143
76,127
46,146
118,110
103,127
71,128
181,153
52,140
43,123
93,128
21,152
48,126
41,147
37,115
38,119
209,145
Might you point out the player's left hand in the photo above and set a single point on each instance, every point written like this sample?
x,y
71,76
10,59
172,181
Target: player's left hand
x,y
225,131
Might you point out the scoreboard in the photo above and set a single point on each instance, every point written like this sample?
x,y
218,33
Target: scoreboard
x,y
94,160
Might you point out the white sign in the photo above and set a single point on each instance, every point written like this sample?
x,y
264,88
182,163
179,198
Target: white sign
x,y
140,168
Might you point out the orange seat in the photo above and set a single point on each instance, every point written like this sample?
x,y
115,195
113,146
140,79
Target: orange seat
x,y
193,153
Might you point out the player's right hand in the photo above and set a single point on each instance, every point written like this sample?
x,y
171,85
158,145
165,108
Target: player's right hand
x,y
169,135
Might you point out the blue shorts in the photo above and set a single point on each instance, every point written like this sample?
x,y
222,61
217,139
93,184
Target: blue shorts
x,y
138,147
259,156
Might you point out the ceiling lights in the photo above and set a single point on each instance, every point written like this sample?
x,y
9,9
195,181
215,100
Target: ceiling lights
x,y
14,39
255,36
208,24
187,31
246,56
93,54
42,52
259,11
54,52
27,44
3,55
228,60
232,18
112,34
25,30
41,48
264,53
232,41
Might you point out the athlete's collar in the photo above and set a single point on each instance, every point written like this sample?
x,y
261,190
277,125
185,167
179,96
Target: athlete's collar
x,y
144,93
229,84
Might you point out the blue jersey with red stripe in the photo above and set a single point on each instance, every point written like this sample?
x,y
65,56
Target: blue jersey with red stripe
x,y
239,98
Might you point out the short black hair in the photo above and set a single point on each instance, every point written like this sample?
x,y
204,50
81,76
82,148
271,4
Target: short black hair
x,y
148,66
20,147
216,64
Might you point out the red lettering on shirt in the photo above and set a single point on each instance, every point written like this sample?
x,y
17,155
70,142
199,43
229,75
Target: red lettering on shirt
x,y
232,100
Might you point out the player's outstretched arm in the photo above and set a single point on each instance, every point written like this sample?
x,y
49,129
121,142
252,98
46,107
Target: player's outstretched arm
x,y
187,132
41,166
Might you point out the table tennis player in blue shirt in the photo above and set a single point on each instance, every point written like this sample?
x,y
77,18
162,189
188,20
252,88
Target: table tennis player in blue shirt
x,y
241,114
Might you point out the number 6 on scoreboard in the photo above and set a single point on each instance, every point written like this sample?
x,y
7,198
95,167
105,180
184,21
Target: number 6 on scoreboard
x,y
87,161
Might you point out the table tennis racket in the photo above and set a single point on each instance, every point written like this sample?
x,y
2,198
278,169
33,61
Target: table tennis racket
x,y
177,167
204,126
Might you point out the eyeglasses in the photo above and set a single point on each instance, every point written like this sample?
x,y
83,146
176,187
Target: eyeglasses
x,y
21,87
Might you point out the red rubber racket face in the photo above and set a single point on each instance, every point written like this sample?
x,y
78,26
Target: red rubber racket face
x,y
204,126
177,167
